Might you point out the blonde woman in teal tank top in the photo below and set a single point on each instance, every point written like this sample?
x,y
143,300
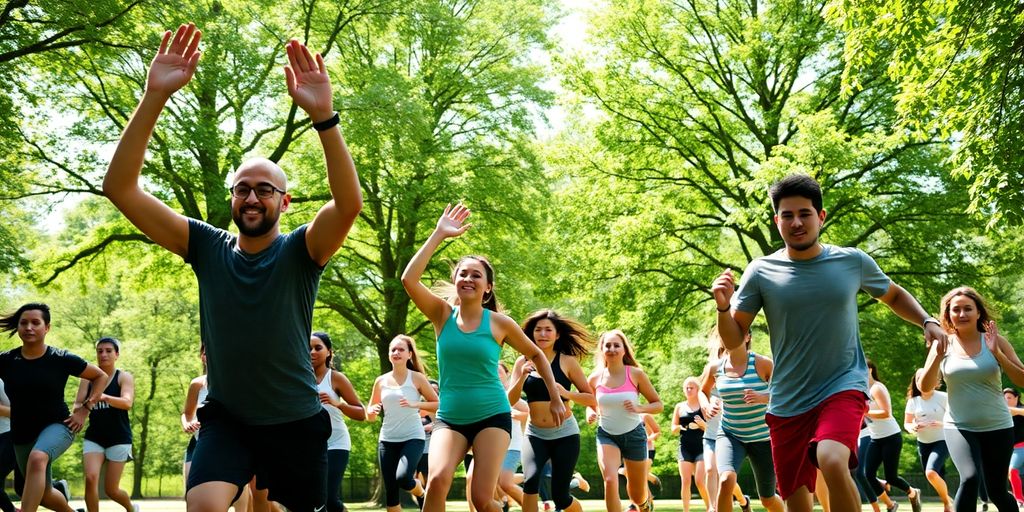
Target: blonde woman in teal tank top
x,y
474,410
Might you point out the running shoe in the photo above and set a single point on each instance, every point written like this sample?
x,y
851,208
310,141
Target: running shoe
x,y
62,487
893,508
135,507
915,502
746,506
984,506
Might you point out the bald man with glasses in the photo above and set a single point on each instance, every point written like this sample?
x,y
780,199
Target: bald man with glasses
x,y
256,291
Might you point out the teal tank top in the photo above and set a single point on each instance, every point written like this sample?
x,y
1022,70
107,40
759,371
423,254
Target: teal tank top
x,y
468,373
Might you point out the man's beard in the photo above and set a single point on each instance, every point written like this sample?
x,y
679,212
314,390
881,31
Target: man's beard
x,y
804,246
259,229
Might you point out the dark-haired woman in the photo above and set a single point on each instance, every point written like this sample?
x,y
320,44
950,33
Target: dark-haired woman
x,y
41,427
397,394
474,410
562,340
978,427
886,441
923,419
109,436
338,397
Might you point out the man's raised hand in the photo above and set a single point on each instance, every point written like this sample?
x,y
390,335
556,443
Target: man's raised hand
x,y
176,61
308,83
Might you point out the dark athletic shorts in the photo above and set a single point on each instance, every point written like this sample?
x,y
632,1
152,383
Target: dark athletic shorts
x,y
288,459
471,430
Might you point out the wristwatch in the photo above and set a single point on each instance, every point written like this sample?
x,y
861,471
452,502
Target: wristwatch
x,y
930,320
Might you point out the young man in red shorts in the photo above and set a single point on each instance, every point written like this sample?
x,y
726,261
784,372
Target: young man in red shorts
x,y
808,292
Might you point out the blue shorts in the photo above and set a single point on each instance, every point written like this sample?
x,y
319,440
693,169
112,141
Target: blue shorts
x,y
54,440
632,444
511,462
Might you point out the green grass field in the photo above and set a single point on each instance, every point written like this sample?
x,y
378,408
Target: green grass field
x,y
589,505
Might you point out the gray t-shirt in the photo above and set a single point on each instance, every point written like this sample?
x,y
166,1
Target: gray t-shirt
x,y
973,388
811,309
256,313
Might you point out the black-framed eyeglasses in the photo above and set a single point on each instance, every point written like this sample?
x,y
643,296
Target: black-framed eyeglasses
x,y
263,190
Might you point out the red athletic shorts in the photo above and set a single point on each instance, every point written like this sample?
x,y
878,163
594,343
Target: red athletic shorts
x,y
795,439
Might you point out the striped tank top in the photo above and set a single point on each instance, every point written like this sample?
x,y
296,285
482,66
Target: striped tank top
x,y
741,420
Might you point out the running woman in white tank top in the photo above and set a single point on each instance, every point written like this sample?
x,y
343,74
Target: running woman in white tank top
x,y
338,397
397,394
619,382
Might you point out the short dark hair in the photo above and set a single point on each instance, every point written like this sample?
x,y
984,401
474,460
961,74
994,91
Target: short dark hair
x,y
796,185
111,340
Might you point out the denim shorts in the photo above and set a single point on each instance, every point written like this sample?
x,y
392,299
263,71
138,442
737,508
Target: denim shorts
x,y
632,444
511,462
54,440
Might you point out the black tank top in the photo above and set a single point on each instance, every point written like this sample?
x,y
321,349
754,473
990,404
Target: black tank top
x,y
109,426
691,436
534,387
1018,429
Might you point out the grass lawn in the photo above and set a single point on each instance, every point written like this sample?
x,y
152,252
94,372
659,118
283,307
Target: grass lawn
x,y
589,505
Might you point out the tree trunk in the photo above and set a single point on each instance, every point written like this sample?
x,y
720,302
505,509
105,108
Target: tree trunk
x,y
139,462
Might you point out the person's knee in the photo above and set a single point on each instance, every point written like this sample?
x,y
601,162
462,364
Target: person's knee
x,y
37,461
727,477
833,457
92,480
439,481
482,498
112,488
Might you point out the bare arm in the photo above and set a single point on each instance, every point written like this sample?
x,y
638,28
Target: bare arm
x,y
643,384
351,406
930,378
585,394
98,378
450,225
310,88
127,397
516,380
652,426
901,302
732,323
430,402
676,426
375,405
880,395
171,69
189,423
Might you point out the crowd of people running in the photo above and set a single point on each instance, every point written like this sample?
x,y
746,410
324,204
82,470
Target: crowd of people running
x,y
815,419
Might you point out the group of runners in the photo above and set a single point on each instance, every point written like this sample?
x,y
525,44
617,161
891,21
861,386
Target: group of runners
x,y
271,406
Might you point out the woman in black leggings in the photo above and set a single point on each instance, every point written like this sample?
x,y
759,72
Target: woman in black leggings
x,y
563,341
978,428
886,441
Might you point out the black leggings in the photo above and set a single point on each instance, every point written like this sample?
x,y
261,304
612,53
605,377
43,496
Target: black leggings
x,y
563,454
398,461
885,452
979,455
337,461
8,464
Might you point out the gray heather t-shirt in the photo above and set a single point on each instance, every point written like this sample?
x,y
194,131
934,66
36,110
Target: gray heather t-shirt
x,y
256,313
811,309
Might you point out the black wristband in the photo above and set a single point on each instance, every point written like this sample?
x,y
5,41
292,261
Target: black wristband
x,y
726,310
327,124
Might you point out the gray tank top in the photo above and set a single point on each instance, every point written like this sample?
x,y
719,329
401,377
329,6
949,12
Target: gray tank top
x,y
973,387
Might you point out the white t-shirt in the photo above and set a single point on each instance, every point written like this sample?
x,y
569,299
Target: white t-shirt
x,y
928,411
5,421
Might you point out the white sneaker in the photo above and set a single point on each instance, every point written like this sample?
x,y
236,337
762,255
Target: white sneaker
x,y
62,487
135,507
